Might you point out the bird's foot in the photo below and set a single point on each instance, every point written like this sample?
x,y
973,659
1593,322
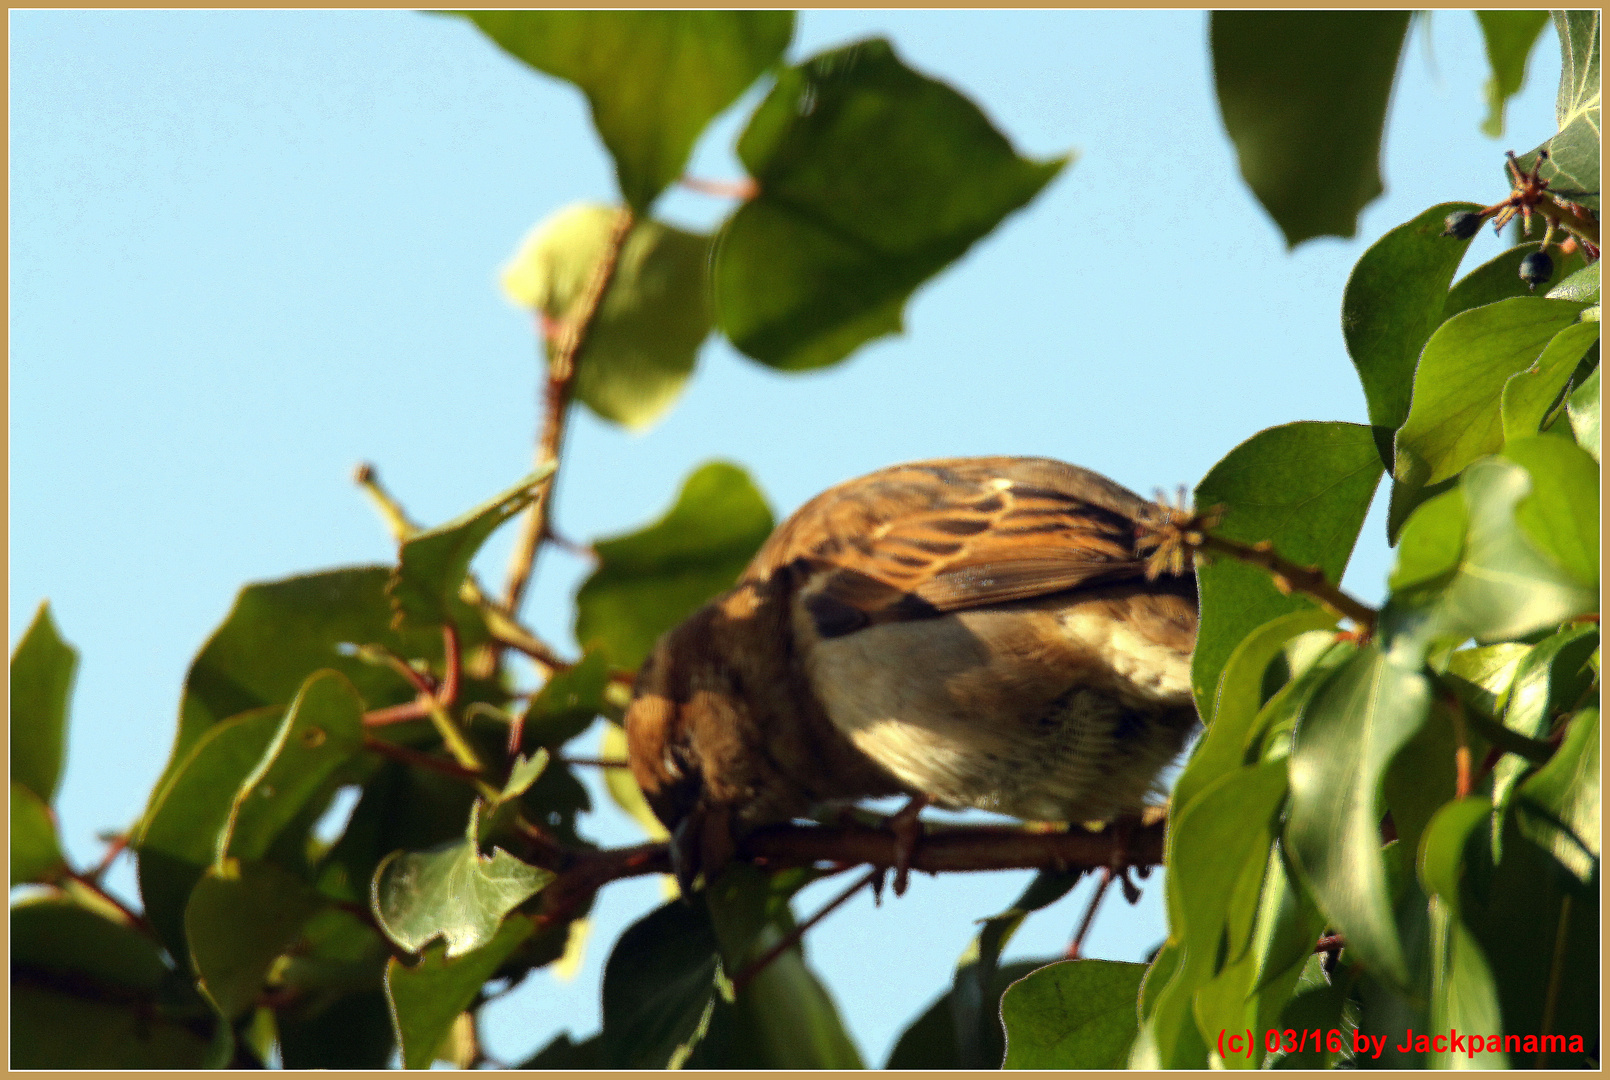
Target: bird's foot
x,y
907,829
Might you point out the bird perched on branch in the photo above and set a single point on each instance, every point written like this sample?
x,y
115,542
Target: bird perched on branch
x,y
973,632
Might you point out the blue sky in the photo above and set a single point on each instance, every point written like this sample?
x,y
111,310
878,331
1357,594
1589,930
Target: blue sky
x,y
251,249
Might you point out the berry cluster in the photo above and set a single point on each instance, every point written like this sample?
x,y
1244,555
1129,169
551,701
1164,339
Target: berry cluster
x,y
1530,194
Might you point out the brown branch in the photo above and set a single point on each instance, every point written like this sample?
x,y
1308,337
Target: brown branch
x,y
1289,578
556,408
981,847
597,763
396,714
744,189
1076,949
409,756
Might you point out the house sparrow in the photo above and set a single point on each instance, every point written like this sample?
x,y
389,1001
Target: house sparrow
x,y
973,632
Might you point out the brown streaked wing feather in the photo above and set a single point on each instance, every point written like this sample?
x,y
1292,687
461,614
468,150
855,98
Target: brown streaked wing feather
x,y
945,535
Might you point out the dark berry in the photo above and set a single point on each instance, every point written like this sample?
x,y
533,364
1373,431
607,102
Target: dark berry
x,y
1536,268
1462,225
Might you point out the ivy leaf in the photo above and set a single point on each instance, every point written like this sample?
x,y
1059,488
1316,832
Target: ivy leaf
x,y
1573,164
241,917
321,732
452,892
1510,36
1078,1014
42,669
654,79
650,580
645,337
1303,95
1347,736
428,996
1392,303
872,179
1455,415
433,563
35,850
1583,408
660,988
1304,487
1530,394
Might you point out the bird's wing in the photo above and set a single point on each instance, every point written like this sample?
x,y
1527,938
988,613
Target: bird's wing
x,y
932,537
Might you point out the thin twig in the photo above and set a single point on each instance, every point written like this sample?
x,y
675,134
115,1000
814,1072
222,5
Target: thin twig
x,y
1076,950
597,763
135,918
396,714
556,408
114,847
391,510
452,672
744,189
1289,578
407,755
792,938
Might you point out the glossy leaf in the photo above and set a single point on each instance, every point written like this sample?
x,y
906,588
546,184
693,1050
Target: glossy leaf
x,y
1303,95
1481,676
1455,416
1463,992
241,917
645,338
650,580
178,836
1560,514
1582,286
660,988
567,704
1467,568
1510,36
1573,163
1392,303
428,996
35,850
452,892
1304,487
1345,740
1584,411
1559,805
872,178
1079,1014
82,991
279,632
654,79
432,563
1530,394
973,999
322,731
42,669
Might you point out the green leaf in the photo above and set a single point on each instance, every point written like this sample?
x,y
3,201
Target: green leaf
x,y
35,850
1583,407
567,704
872,179
241,917
660,987
654,79
351,1032
1499,278
82,991
42,669
1455,415
1346,738
1558,806
432,563
975,1003
452,892
1510,36
645,337
1481,677
650,580
1529,395
1573,163
1463,993
428,996
1303,95
279,632
1560,515
1582,286
178,836
1305,487
564,1054
929,1042
1078,1014
321,732
1392,303
1466,568
523,774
